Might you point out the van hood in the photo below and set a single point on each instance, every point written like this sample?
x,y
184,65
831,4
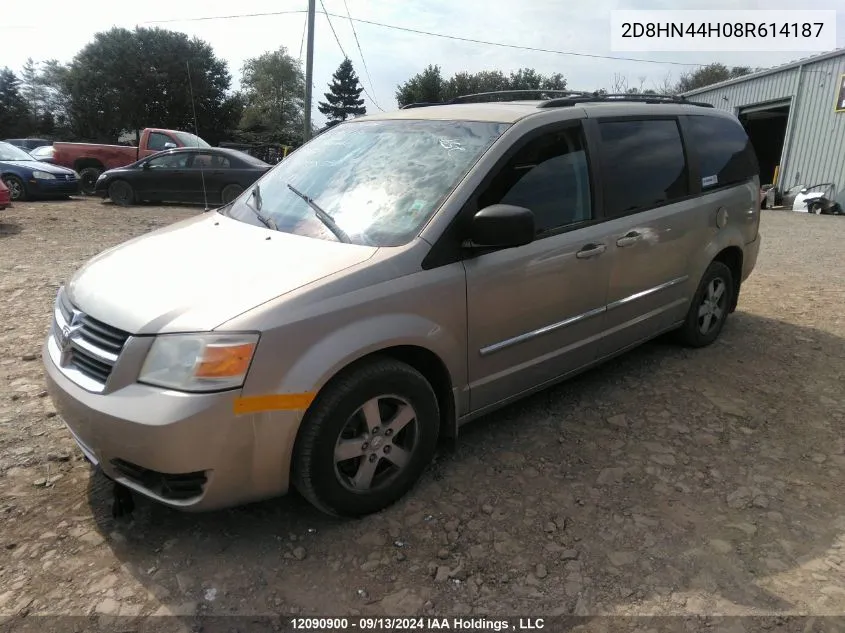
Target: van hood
x,y
197,274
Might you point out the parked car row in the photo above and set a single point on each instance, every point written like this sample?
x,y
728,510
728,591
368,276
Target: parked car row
x,y
204,175
211,175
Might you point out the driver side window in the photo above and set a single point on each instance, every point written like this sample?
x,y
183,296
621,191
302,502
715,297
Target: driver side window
x,y
549,176
169,161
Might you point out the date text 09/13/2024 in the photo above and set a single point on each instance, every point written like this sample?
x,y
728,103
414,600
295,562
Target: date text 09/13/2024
x,y
416,624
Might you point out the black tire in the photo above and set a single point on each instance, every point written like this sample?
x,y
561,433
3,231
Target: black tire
x,y
16,186
230,192
88,179
122,193
693,332
329,482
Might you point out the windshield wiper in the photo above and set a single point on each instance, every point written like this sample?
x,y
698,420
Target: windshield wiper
x,y
265,219
324,217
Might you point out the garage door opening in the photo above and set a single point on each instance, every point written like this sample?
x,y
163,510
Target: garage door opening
x,y
766,127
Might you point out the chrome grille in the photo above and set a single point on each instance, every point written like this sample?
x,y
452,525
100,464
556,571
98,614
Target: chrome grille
x,y
87,345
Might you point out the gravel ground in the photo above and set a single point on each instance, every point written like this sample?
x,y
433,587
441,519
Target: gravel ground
x,y
668,482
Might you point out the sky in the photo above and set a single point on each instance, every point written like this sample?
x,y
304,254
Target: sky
x,y
392,56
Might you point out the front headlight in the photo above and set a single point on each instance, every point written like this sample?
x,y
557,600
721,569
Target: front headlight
x,y
199,362
76,175
42,175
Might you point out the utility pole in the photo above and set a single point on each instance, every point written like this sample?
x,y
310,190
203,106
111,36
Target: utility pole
x,y
309,67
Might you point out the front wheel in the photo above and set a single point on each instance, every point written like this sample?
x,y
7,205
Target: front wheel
x,y
709,308
121,193
367,439
17,190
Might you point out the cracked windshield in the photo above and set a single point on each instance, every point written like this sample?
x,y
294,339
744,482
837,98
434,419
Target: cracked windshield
x,y
372,183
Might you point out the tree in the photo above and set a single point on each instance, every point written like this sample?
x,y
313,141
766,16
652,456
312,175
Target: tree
x,y
709,75
429,86
344,96
425,87
128,80
273,88
14,115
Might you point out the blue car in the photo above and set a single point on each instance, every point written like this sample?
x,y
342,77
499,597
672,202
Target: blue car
x,y
27,178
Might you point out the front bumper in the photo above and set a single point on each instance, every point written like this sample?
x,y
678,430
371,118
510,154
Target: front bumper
x,y
57,187
187,451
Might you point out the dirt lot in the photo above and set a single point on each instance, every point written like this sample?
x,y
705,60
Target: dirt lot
x,y
667,482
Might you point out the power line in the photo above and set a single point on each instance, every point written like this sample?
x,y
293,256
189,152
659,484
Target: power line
x,y
337,39
302,41
418,32
433,34
225,17
345,56
363,61
503,45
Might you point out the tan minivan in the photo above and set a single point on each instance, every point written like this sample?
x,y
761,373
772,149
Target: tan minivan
x,y
394,278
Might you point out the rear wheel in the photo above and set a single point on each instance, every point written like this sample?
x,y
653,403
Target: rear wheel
x,y
88,179
121,193
17,190
367,439
710,307
230,192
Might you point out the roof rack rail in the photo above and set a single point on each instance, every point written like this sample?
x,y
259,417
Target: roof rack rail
x,y
596,97
485,97
422,104
518,93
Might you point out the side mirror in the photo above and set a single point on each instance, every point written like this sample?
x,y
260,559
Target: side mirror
x,y
503,226
145,165
169,145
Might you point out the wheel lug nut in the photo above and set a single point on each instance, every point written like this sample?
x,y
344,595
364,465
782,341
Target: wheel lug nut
x,y
387,449
388,432
372,458
375,431
365,446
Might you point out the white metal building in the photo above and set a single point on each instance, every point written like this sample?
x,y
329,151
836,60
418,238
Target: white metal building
x,y
795,117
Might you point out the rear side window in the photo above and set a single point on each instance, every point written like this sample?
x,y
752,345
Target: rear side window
x,y
725,154
644,165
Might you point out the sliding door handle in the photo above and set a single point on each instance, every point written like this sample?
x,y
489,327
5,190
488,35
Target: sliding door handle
x,y
591,250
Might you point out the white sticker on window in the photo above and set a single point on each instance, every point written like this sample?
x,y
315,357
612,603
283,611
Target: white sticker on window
x,y
709,181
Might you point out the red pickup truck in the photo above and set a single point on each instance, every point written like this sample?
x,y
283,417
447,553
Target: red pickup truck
x,y
92,159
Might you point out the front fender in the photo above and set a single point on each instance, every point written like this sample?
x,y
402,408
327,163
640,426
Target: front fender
x,y
342,347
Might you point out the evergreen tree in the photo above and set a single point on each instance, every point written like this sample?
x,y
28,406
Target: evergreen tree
x,y
344,97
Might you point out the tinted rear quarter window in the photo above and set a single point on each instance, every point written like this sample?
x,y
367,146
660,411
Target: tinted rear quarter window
x,y
725,154
643,164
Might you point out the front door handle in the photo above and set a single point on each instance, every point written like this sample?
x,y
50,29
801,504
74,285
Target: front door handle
x,y
591,250
630,238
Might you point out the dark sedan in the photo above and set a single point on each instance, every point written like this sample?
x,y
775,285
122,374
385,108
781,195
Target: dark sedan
x,y
27,177
206,174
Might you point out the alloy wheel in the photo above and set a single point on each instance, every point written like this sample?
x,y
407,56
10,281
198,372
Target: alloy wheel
x,y
713,305
376,443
